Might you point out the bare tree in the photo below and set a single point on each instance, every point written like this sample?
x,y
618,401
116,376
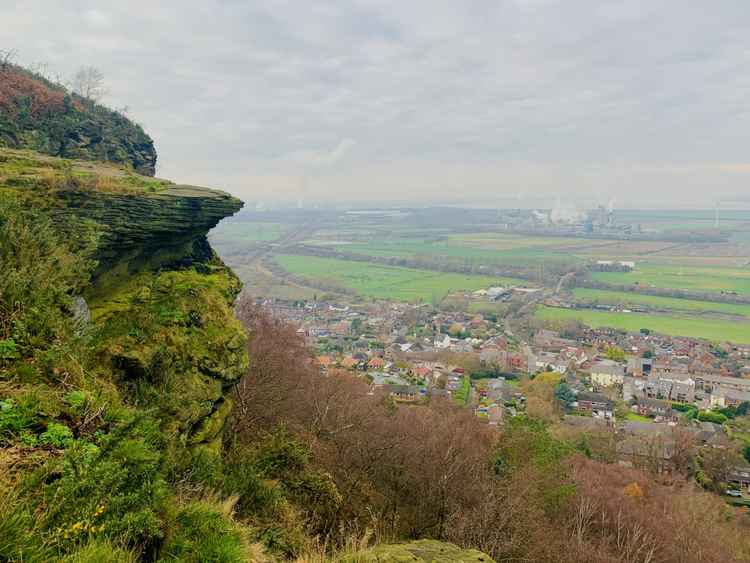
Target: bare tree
x,y
7,57
89,83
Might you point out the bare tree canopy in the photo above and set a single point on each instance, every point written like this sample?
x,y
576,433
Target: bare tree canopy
x,y
89,83
6,57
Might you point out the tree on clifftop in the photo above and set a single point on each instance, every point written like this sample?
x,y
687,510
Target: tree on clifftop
x,y
89,83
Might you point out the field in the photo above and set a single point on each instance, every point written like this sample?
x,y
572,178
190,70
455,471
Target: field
x,y
444,250
233,237
386,282
627,298
260,282
510,249
695,278
694,326
438,239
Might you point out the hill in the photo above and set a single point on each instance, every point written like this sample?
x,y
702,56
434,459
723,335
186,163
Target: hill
x,y
40,115
146,414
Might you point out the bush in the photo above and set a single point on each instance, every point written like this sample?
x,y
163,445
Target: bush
x,y
15,418
113,488
204,534
57,435
258,496
711,416
8,349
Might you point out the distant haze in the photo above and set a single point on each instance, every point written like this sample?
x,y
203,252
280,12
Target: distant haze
x,y
497,102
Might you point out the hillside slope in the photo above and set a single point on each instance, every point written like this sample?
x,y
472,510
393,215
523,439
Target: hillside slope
x,y
39,115
119,349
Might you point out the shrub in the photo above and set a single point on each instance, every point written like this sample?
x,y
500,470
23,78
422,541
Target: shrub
x,y
57,435
204,534
39,275
8,349
14,419
711,416
110,489
258,496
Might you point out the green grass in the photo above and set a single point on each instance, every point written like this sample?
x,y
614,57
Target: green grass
x,y
694,278
675,325
635,417
628,298
386,282
247,231
457,250
461,396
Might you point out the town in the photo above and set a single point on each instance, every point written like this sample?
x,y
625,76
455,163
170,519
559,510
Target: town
x,y
644,398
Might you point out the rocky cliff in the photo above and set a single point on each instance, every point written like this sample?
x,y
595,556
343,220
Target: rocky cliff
x,y
160,300
40,115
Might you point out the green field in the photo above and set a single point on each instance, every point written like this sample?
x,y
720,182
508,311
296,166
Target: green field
x,y
230,237
631,298
386,282
452,251
503,249
694,278
673,324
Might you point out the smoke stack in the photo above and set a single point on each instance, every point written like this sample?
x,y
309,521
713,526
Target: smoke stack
x,y
716,214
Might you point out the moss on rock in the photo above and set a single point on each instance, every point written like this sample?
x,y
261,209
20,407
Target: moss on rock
x,y
160,299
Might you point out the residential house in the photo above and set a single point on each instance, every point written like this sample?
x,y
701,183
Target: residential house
x,y
442,342
596,404
406,393
678,387
708,381
740,476
547,360
640,367
607,373
376,363
655,408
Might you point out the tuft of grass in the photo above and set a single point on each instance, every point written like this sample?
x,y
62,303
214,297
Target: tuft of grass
x,y
98,550
206,532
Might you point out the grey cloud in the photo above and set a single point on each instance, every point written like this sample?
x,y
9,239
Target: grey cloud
x,y
644,101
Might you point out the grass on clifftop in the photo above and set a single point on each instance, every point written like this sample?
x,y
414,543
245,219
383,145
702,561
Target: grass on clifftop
x,y
28,170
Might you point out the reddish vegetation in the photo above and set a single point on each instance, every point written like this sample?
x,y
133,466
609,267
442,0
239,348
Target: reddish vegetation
x,y
16,84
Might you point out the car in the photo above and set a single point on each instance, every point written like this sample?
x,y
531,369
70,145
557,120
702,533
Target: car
x,y
733,493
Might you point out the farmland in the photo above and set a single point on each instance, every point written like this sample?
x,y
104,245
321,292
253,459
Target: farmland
x,y
385,282
652,301
696,278
236,237
694,326
447,250
438,248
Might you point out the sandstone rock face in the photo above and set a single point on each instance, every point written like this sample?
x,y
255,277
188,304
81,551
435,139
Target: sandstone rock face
x,y
173,220
163,300
160,302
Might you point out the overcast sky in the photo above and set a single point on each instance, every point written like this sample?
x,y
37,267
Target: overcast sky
x,y
487,102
